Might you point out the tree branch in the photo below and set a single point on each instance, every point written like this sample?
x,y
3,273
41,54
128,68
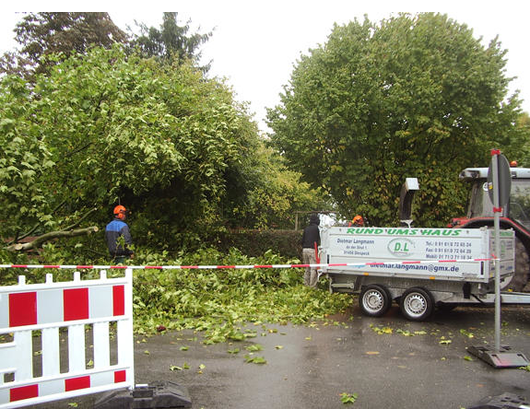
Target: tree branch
x,y
50,236
34,228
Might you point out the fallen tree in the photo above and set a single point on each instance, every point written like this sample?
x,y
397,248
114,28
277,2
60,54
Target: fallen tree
x,y
39,240
20,244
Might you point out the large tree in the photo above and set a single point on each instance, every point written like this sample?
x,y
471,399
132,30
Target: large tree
x,y
106,127
413,96
46,33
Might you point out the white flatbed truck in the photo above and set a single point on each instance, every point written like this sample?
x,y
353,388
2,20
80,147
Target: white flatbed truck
x,y
421,268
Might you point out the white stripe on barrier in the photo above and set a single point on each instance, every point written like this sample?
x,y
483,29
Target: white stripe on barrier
x,y
48,308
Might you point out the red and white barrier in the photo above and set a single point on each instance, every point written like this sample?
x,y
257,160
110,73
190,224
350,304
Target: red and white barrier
x,y
34,318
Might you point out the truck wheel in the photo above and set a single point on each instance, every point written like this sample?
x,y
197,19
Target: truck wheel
x,y
375,300
416,304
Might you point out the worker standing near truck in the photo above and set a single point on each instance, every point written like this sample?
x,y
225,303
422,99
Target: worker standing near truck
x,y
310,243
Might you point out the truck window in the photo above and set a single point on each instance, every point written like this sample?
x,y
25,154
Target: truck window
x,y
519,207
480,204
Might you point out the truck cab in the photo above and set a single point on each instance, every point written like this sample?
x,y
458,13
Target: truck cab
x,y
515,215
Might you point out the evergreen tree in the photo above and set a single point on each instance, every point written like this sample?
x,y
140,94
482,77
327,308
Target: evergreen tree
x,y
170,42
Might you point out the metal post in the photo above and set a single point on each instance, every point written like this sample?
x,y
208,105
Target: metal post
x,y
496,222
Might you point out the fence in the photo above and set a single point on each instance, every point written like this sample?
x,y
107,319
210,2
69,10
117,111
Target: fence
x,y
65,339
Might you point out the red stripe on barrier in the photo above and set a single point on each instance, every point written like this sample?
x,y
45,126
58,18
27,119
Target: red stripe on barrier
x,y
263,266
77,383
19,266
22,309
23,392
155,267
220,267
80,267
75,304
120,376
189,266
118,300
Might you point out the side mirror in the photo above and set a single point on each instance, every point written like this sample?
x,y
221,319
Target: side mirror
x,y
408,190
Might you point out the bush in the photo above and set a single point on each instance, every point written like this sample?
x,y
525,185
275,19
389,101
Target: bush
x,y
287,243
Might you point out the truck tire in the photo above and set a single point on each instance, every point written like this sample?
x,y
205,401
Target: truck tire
x,y
517,282
375,300
416,304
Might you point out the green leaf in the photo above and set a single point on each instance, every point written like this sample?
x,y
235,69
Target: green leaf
x,y
255,360
347,398
254,347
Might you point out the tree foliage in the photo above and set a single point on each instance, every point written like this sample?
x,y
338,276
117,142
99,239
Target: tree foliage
x,y
39,34
106,127
413,96
24,160
122,127
263,193
171,41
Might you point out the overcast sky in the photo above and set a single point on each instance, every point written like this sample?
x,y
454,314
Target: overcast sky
x,y
255,44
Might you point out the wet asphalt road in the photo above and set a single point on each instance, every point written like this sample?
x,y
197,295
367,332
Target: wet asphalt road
x,y
389,362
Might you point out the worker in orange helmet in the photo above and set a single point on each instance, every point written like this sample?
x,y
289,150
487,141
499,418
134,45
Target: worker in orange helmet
x,y
118,236
357,221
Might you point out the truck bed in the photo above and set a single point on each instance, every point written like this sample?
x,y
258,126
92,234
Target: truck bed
x,y
416,253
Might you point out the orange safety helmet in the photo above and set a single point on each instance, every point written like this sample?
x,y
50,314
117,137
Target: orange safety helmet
x,y
120,212
358,221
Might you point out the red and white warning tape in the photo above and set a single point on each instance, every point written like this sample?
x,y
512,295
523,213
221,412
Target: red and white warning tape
x,y
223,267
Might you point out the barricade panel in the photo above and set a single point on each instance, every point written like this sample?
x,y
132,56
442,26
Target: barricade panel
x,y
36,366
